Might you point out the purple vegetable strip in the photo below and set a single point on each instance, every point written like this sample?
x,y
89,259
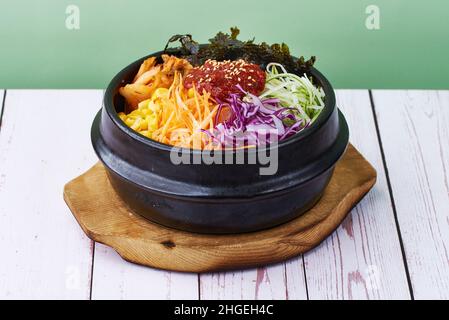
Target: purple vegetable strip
x,y
254,121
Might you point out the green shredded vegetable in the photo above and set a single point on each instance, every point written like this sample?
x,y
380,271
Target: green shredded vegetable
x,y
297,93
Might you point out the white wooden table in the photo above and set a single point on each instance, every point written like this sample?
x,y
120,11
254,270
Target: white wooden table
x,y
393,245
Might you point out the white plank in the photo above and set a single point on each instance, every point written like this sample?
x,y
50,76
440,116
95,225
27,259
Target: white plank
x,y
115,278
362,259
261,283
414,127
296,279
44,142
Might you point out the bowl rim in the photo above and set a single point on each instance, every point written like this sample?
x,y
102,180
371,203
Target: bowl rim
x,y
336,150
118,80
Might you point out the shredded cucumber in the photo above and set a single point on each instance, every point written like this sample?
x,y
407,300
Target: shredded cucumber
x,y
299,94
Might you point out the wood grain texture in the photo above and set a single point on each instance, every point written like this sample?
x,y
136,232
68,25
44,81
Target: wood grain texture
x,y
296,281
362,259
44,140
116,279
106,219
414,128
261,283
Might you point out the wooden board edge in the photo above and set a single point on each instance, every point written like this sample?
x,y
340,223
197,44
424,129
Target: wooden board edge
x,y
273,257
206,264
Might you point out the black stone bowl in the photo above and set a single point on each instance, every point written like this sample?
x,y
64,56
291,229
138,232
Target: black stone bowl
x,y
217,198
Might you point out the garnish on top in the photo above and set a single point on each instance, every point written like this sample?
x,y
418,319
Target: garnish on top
x,y
226,46
221,78
218,96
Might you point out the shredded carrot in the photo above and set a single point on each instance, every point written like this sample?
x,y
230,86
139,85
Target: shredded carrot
x,y
175,116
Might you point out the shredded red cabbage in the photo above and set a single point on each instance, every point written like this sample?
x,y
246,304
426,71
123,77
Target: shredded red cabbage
x,y
254,121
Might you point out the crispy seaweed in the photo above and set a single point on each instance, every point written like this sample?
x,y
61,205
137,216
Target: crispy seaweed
x,y
226,46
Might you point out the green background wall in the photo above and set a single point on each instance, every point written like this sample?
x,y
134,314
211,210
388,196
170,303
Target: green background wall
x,y
410,50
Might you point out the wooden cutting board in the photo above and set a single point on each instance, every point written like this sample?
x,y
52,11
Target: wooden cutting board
x,y
106,219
